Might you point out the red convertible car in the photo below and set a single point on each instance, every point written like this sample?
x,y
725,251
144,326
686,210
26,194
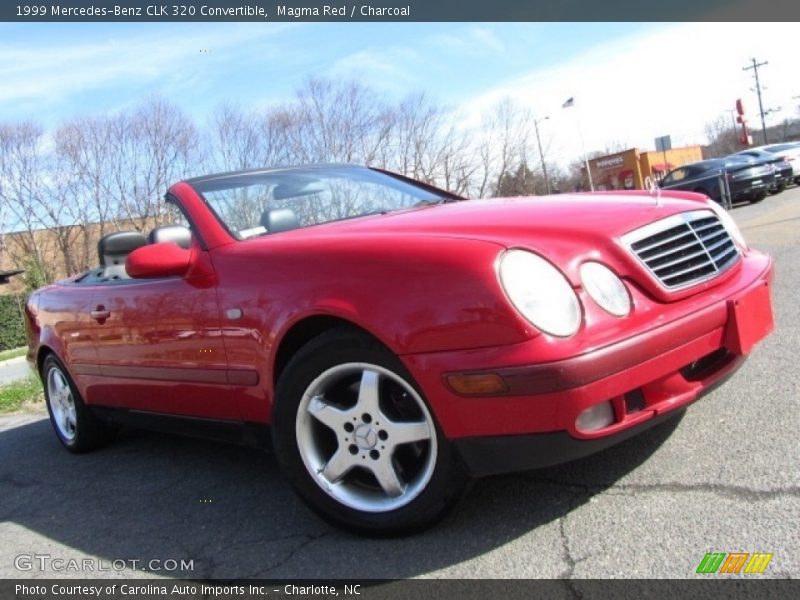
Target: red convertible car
x,y
393,339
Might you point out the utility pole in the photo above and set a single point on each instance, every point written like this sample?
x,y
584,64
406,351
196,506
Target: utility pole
x,y
541,154
754,68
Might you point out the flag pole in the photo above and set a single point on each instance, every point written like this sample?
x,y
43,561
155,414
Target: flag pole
x,y
569,104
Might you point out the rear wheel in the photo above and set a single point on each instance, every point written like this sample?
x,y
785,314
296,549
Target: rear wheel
x,y
75,425
357,440
758,197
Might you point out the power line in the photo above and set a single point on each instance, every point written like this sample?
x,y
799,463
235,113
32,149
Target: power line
x,y
754,67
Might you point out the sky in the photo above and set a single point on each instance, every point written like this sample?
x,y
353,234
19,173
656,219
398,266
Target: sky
x,y
631,82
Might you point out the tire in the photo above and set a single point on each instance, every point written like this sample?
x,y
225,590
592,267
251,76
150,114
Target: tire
x,y
358,442
778,189
758,197
76,427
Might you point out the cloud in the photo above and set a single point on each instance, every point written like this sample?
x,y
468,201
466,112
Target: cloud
x,y
387,69
49,71
671,81
408,64
474,41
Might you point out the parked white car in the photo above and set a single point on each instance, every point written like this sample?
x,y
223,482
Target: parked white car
x,y
789,150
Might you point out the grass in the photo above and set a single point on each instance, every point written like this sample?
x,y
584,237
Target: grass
x,y
13,353
14,395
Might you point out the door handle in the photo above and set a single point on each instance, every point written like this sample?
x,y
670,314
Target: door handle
x,y
100,314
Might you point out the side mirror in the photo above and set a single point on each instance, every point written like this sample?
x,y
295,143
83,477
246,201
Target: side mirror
x,y
166,259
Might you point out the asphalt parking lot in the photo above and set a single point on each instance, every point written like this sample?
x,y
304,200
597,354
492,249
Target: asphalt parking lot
x,y
722,478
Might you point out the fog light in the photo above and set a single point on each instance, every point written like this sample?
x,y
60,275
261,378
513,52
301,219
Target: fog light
x,y
595,417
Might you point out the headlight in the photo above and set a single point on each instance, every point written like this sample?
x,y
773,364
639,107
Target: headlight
x,y
727,221
606,289
540,292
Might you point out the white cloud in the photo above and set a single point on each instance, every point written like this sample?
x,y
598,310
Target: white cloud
x,y
45,73
397,68
384,68
669,82
474,41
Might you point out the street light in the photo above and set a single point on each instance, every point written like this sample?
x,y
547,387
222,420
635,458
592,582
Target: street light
x,y
541,154
569,104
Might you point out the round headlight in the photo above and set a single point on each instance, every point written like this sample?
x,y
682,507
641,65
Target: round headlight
x,y
606,289
727,221
540,292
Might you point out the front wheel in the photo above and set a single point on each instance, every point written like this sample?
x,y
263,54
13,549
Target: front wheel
x,y
357,440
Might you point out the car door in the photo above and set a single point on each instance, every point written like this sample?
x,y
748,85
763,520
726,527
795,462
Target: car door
x,y
160,347
65,315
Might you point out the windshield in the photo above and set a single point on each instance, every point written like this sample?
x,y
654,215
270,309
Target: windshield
x,y
257,203
782,147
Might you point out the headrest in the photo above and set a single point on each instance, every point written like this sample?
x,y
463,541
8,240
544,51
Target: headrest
x,y
119,243
171,233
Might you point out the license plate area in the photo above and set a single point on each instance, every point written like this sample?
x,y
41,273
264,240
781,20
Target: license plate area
x,y
750,319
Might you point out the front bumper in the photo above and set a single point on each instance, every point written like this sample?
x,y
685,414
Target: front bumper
x,y
646,377
492,455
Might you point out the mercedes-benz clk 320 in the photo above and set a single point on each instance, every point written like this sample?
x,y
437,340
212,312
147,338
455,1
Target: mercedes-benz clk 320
x,y
394,339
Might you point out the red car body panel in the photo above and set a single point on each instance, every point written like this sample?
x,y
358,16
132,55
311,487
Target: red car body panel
x,y
564,384
423,282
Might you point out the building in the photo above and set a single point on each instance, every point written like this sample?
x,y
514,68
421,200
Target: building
x,y
636,170
62,251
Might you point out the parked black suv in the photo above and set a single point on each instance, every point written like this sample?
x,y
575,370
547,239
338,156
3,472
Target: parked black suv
x,y
746,181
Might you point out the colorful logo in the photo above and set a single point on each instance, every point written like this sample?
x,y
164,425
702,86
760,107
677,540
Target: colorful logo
x,y
734,562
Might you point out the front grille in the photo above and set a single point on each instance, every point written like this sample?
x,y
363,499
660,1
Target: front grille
x,y
684,249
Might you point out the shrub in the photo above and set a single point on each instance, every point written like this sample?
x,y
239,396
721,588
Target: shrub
x,y
12,327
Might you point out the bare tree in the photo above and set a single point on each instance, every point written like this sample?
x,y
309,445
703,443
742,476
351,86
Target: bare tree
x,y
336,121
503,143
102,173
240,139
165,148
722,137
22,193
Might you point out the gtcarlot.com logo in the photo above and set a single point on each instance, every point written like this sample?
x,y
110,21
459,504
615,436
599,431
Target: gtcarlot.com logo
x,y
47,562
734,562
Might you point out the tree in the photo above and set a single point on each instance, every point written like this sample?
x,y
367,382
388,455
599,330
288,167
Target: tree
x,y
723,139
165,149
24,192
336,122
521,183
97,174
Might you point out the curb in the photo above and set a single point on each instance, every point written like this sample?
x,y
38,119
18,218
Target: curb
x,y
12,361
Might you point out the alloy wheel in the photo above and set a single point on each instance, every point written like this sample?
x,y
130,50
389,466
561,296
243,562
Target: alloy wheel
x,y
366,437
62,404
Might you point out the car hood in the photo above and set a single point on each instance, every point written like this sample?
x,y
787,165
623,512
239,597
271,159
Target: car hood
x,y
567,229
542,223
598,214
